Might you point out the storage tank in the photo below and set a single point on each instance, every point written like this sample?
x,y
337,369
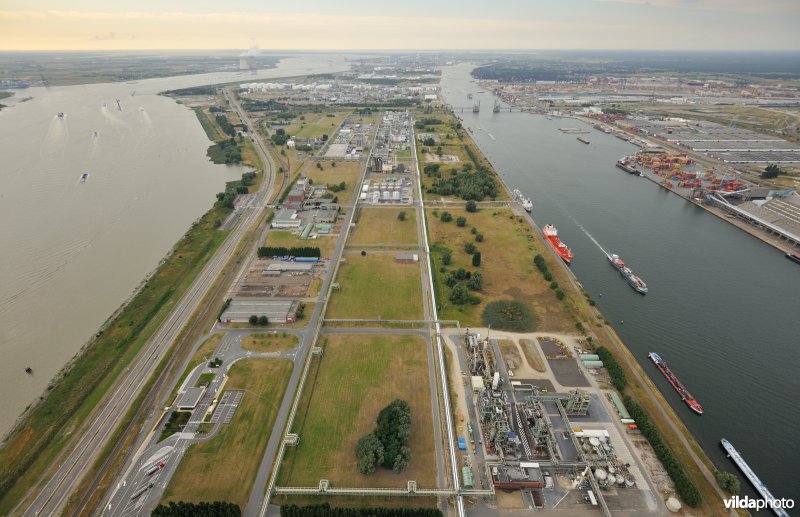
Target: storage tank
x,y
589,357
594,442
620,480
593,364
396,195
600,474
386,194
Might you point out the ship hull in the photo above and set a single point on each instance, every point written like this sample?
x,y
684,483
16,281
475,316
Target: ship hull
x,y
676,384
634,281
794,258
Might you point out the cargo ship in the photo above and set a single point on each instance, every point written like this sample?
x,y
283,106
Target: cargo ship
x,y
551,234
522,200
634,281
626,163
759,485
793,257
677,384
582,140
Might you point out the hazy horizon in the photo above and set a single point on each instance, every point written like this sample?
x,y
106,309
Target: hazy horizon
x,y
413,25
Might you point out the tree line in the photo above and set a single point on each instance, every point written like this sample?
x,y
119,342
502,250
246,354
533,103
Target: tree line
x,y
614,369
387,445
325,510
280,251
683,484
183,509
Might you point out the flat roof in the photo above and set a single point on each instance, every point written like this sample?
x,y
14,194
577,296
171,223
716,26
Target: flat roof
x,y
190,398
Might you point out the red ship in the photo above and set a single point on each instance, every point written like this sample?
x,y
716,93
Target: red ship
x,y
551,234
677,384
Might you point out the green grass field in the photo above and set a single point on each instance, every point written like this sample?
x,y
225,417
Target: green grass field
x,y
355,378
381,226
315,125
47,429
376,285
224,468
346,171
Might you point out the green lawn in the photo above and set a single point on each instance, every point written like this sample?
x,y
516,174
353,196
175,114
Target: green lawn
x,y
381,226
355,378
376,285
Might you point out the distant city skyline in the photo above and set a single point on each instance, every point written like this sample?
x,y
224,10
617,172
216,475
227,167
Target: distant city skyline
x,y
407,25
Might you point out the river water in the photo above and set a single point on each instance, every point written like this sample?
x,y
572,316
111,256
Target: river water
x,y
723,308
72,252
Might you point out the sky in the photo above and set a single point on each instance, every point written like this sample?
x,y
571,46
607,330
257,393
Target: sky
x,y
400,24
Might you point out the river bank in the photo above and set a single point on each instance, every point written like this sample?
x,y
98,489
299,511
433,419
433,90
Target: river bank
x,y
583,314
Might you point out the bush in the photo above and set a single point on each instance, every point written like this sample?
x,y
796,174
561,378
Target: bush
x,y
540,263
554,285
478,237
263,321
401,216
559,294
447,257
615,371
728,482
476,259
460,294
513,316
253,320
446,217
475,282
470,248
548,276
471,206
461,221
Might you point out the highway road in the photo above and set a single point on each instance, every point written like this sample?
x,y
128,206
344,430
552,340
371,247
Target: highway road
x,y
90,440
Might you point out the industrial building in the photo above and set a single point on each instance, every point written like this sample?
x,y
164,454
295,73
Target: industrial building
x,y
189,399
286,218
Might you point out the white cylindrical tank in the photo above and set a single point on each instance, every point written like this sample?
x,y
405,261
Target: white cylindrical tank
x,y
600,474
673,505
594,441
396,195
496,380
620,479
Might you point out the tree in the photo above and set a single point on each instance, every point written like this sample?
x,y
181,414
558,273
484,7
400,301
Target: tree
x,y
728,482
369,452
478,237
470,248
446,217
771,171
460,294
475,282
401,216
476,259
461,221
471,206
447,257
263,321
253,320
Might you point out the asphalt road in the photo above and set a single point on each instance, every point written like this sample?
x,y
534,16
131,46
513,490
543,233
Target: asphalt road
x,y
126,498
90,440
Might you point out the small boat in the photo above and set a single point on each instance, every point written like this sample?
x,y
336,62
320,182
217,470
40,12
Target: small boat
x,y
60,114
96,134
29,370
793,257
522,200
84,177
582,140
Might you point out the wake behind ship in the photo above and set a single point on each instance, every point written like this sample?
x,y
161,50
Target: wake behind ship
x,y
676,383
551,234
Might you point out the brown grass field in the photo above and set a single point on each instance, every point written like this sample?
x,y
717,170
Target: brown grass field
x,y
346,171
356,377
224,468
316,124
381,226
364,283
269,342
506,265
325,243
